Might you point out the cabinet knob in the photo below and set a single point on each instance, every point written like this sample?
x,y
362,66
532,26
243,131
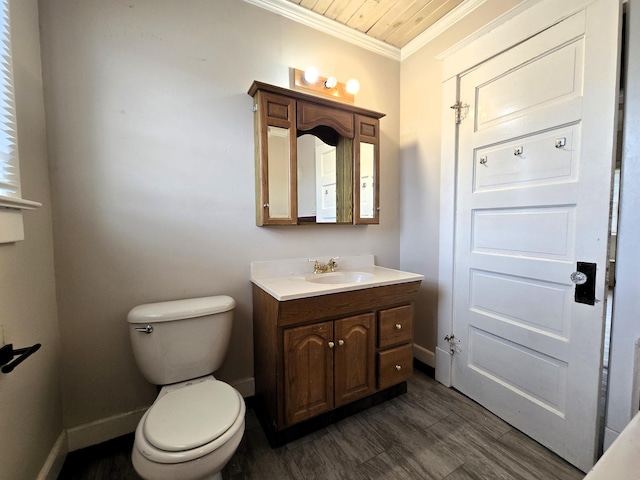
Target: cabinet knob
x,y
398,368
398,326
340,342
331,344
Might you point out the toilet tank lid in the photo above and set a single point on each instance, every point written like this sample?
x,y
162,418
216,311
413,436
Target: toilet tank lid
x,y
180,309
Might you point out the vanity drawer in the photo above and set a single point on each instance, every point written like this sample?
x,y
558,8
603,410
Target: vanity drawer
x,y
395,365
395,326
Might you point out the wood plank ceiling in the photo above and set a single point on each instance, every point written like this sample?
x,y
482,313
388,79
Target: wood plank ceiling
x,y
395,22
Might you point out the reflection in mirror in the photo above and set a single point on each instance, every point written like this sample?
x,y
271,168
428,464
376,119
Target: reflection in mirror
x,y
316,180
278,167
367,174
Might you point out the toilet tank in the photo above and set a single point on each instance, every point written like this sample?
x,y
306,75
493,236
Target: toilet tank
x,y
187,338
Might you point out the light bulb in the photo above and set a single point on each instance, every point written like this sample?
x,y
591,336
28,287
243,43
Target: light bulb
x,y
353,86
311,75
330,82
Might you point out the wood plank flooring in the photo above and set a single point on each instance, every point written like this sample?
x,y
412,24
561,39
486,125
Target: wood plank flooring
x,y
430,433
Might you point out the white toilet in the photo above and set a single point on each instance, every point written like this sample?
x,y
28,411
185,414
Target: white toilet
x,y
196,423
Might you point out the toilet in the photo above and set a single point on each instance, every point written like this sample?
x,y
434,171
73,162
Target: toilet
x,y
196,423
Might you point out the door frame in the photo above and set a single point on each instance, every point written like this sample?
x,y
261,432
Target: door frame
x,y
539,16
623,394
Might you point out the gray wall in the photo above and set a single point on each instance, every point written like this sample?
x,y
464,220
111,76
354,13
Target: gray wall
x,y
30,406
420,120
151,162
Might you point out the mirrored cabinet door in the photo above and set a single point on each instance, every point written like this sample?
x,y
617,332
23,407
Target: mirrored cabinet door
x,y
366,175
276,182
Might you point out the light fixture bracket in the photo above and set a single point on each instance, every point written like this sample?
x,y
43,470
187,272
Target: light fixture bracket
x,y
339,92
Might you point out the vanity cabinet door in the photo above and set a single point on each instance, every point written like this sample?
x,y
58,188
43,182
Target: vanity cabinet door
x,y
308,371
366,171
354,358
276,170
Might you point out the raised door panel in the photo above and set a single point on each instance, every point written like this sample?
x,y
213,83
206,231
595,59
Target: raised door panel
x,y
354,358
276,168
308,371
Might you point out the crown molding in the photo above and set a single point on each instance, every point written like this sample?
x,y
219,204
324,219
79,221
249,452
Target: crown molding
x,y
446,22
314,20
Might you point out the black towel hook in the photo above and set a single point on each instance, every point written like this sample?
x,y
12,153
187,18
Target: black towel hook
x,y
7,353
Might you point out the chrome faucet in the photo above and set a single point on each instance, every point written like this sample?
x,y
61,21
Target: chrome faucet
x,y
330,266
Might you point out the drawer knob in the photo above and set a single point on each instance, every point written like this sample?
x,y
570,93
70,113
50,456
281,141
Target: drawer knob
x,y
398,326
340,342
331,344
398,367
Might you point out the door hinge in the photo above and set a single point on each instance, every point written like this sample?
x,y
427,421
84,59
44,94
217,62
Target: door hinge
x,y
461,111
454,344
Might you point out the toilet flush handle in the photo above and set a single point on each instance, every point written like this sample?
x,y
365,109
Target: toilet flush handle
x,y
145,329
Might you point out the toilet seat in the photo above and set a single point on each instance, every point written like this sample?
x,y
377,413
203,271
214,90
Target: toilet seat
x,y
190,422
189,417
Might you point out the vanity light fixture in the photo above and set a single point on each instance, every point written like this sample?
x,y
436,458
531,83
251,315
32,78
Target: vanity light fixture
x,y
353,86
330,82
309,80
311,75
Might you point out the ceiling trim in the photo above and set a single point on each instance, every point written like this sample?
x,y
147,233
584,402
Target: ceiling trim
x,y
314,20
450,19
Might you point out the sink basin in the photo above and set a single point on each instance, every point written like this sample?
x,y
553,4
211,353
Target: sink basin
x,y
340,277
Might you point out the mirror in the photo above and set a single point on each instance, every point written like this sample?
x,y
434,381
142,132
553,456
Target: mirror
x,y
324,179
367,180
278,168
316,159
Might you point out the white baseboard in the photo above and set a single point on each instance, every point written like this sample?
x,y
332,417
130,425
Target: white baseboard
x,y
443,367
53,465
99,431
246,387
423,355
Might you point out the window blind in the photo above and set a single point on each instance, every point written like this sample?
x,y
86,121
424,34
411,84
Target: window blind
x,y
11,202
9,169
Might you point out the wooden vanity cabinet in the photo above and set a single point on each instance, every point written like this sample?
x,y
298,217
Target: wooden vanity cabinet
x,y
327,365
314,355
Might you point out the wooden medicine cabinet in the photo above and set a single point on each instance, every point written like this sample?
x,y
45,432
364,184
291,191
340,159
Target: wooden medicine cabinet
x,y
317,160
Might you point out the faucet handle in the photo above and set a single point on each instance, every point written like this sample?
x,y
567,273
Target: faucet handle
x,y
333,264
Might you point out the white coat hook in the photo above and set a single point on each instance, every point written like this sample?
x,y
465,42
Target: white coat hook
x,y
561,142
518,150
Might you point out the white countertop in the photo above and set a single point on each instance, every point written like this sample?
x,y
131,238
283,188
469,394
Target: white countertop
x,y
622,458
288,279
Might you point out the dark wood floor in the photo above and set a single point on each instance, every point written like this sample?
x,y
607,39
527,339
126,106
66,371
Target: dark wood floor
x,y
432,432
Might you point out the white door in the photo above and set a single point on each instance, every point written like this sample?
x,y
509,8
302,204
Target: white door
x,y
325,182
534,176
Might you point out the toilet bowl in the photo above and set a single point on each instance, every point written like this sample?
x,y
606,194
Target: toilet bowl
x,y
190,432
196,423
